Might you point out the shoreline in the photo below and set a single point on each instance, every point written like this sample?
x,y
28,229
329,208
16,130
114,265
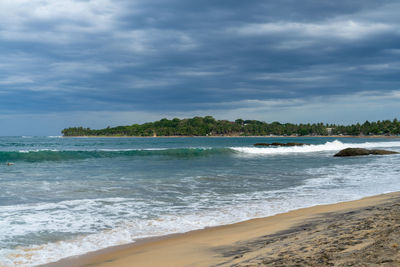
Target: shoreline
x,y
250,241
238,136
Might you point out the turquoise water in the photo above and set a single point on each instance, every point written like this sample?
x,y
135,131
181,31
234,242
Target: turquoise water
x,y
68,196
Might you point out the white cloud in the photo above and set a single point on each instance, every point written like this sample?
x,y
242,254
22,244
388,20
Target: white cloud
x,y
201,73
56,21
152,40
11,80
292,77
320,73
65,22
389,66
78,67
140,83
341,29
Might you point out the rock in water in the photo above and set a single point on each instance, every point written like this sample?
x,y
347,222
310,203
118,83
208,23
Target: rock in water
x,y
262,144
382,152
280,144
295,144
349,152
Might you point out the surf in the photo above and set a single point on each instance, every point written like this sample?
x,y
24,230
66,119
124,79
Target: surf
x,y
335,145
55,155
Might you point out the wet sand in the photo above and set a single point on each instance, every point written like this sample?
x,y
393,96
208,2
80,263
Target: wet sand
x,y
364,232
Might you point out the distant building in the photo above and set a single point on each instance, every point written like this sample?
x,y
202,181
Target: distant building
x,y
329,130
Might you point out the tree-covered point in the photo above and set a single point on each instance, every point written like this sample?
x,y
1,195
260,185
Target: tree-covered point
x,y
208,126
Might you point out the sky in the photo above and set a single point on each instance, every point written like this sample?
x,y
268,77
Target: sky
x,y
99,63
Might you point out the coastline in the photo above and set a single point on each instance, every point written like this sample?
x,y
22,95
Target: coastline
x,y
277,239
238,136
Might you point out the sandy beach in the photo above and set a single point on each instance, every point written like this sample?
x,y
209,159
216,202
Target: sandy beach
x,y
357,233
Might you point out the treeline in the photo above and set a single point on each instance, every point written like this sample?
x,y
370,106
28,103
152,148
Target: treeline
x,y
208,126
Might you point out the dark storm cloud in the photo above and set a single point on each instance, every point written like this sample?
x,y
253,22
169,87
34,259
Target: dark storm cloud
x,y
184,55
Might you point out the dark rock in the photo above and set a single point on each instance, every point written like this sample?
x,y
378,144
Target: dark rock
x,y
277,144
352,152
349,152
262,144
295,144
280,144
382,152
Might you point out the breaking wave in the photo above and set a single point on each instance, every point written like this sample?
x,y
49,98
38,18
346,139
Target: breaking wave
x,y
56,155
328,146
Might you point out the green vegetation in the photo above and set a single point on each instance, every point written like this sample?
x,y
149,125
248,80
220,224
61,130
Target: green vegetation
x,y
208,126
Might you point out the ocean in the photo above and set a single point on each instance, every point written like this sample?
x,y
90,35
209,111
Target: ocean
x,y
69,196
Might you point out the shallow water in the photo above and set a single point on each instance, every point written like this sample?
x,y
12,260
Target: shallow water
x,y
68,196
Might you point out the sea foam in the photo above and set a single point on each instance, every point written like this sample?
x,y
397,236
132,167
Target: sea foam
x,y
328,146
331,184
178,194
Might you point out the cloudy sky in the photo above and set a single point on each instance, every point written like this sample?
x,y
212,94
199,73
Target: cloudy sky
x,y
110,62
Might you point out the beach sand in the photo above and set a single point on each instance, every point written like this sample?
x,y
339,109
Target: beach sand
x,y
364,232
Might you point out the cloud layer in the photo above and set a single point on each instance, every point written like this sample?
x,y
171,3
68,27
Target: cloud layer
x,y
183,57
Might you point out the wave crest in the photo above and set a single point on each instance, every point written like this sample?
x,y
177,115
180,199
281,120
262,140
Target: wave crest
x,y
55,155
328,146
